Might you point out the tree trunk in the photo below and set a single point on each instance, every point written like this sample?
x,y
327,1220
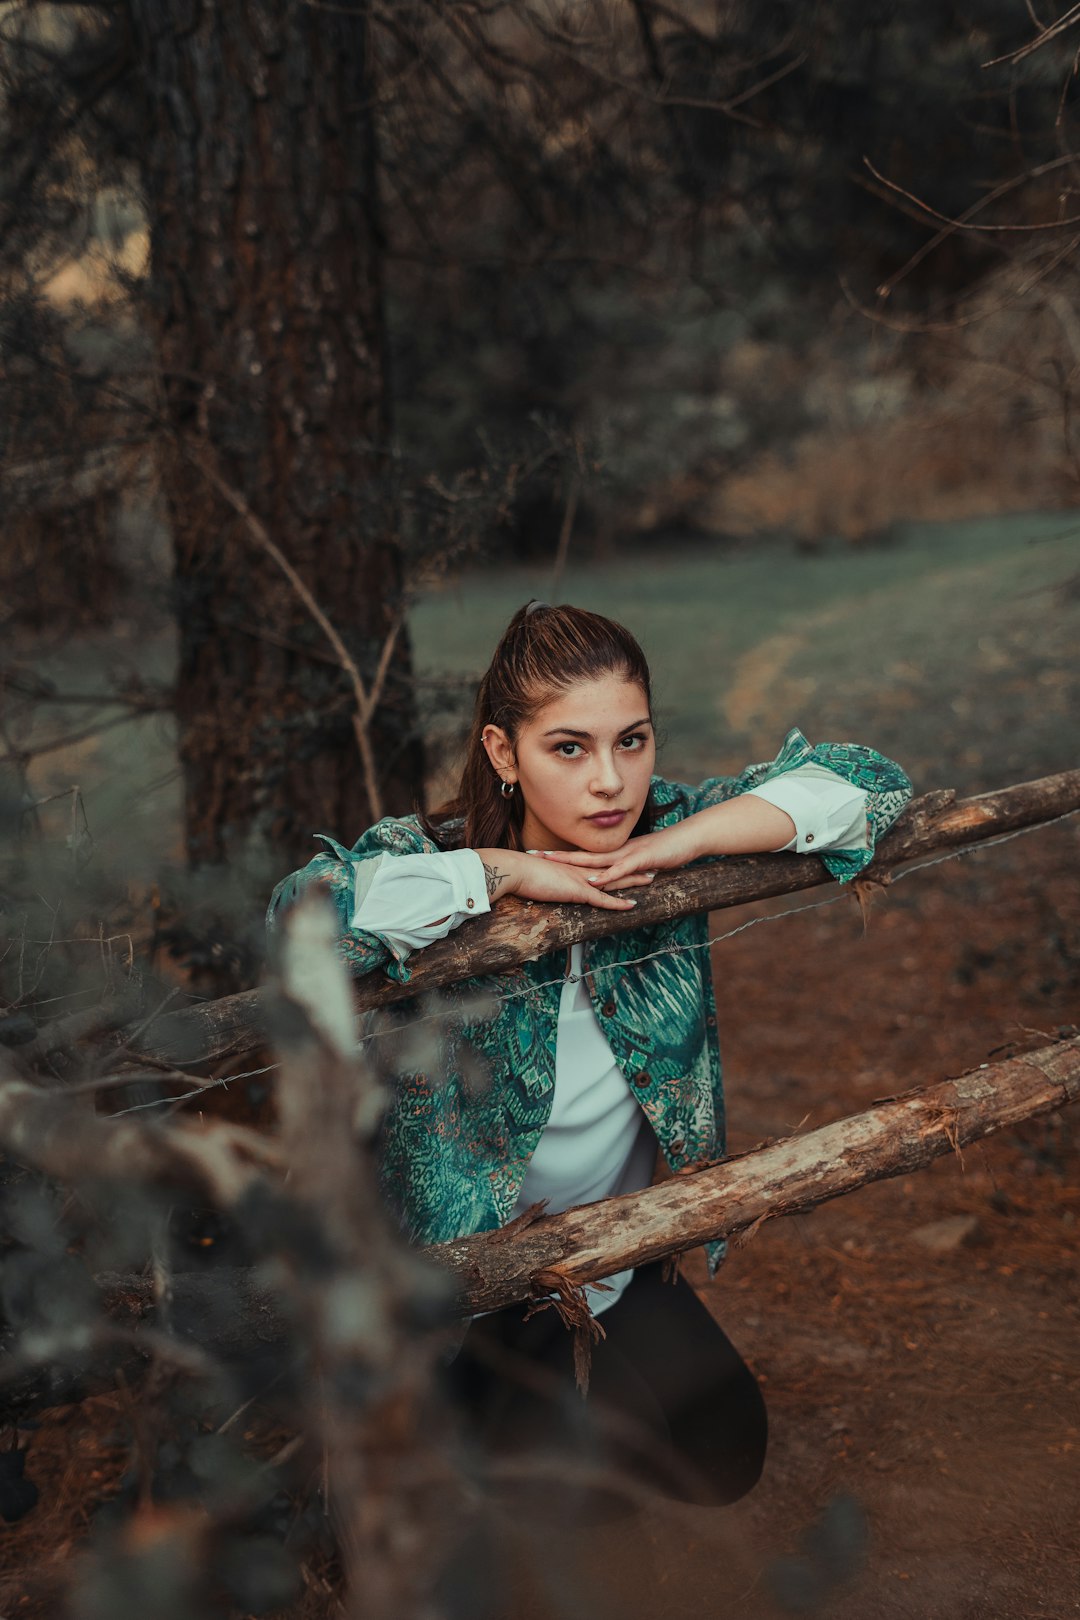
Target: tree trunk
x,y
266,282
59,571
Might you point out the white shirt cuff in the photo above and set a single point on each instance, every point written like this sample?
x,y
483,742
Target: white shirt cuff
x,y
411,900
828,812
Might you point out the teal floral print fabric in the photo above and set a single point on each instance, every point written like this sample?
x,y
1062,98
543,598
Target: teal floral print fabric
x,y
455,1145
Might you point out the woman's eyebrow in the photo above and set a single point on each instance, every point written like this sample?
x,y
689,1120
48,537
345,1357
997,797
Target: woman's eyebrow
x,y
587,736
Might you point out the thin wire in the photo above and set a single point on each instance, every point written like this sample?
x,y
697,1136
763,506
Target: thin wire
x,y
633,961
200,1091
752,922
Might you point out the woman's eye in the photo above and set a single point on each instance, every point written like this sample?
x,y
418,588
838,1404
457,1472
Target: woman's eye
x,y
628,745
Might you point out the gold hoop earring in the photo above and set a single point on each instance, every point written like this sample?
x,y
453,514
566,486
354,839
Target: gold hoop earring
x,y
507,790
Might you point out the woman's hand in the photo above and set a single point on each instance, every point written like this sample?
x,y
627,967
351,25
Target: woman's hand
x,y
745,825
638,860
535,877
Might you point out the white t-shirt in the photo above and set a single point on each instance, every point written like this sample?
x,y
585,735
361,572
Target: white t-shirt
x,y
597,1143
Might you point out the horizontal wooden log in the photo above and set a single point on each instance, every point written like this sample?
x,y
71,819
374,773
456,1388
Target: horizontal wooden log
x,y
519,931
894,1138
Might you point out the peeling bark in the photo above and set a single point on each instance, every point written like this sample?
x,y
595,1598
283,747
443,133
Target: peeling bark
x,y
897,1136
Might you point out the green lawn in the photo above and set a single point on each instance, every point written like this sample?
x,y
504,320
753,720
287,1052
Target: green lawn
x,y
953,647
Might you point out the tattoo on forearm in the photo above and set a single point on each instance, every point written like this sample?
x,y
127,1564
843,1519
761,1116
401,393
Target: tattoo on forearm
x,y
493,877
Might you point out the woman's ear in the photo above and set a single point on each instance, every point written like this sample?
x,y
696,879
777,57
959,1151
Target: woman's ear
x,y
500,751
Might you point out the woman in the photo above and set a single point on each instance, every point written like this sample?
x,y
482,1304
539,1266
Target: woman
x,y
592,1058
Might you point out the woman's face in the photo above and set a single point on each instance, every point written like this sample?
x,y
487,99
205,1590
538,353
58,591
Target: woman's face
x,y
582,765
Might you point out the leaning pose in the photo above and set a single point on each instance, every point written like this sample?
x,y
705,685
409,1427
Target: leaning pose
x,y
594,1059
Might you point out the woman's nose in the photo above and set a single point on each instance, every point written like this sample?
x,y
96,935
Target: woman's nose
x,y
607,780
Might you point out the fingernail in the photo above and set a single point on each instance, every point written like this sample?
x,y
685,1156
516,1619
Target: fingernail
x,y
650,874
595,879
631,902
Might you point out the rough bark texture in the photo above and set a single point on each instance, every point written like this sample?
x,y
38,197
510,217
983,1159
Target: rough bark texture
x,y
519,931
260,181
894,1138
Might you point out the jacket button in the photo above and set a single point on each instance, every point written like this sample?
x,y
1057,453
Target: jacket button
x,y
608,1009
677,1147
643,1079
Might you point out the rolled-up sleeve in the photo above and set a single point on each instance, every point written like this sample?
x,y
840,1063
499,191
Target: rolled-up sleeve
x,y
412,900
828,811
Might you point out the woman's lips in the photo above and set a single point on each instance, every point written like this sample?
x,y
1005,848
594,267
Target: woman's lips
x,y
608,818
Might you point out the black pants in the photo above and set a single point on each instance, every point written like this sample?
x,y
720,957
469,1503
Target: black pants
x,y
671,1404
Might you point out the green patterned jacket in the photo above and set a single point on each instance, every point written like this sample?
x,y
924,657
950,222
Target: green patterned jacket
x,y
456,1139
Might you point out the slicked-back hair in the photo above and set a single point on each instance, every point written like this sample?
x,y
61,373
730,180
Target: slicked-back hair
x,y
543,651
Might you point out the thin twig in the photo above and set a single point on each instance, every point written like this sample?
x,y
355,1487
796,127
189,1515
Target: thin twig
x,y
74,737
1060,27
958,322
569,513
990,230
1067,160
261,535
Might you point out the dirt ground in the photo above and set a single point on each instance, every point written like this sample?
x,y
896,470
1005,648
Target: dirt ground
x,y
923,1381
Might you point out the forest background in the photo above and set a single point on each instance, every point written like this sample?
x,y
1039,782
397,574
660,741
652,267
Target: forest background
x,y
329,333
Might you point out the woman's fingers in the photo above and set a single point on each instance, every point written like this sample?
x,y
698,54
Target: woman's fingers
x,y
598,894
608,902
559,882
621,872
632,880
571,857
544,881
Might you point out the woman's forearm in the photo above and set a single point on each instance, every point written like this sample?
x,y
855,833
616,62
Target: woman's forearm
x,y
501,872
745,825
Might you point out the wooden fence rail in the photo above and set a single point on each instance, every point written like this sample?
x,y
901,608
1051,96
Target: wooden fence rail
x,y
894,1137
520,930
536,1254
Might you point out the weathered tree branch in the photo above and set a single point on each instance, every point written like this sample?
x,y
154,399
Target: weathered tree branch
x,y
520,930
893,1138
66,1140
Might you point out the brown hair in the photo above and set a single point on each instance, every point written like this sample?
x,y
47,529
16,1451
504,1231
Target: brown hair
x,y
542,652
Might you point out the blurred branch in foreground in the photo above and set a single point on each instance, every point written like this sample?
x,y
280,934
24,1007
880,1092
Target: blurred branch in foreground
x,y
536,1254
331,1318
